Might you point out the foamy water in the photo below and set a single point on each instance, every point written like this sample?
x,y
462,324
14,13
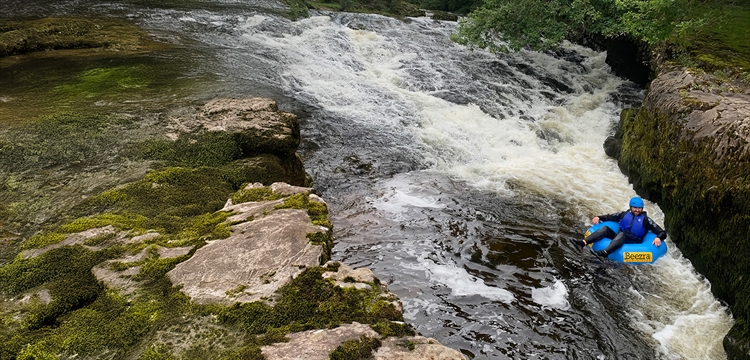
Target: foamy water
x,y
520,145
472,171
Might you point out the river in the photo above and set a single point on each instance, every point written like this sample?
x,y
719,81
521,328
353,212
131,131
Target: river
x,y
459,177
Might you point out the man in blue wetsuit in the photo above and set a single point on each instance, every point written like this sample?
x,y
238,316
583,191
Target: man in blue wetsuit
x,y
634,224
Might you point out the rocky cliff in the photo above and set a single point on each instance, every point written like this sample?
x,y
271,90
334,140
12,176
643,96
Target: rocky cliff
x,y
688,149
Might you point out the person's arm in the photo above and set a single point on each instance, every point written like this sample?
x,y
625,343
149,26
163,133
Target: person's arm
x,y
608,217
651,225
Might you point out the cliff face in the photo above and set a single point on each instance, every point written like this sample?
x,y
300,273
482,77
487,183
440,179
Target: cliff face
x,y
688,148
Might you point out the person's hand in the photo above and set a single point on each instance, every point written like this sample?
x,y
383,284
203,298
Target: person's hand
x,y
657,242
595,220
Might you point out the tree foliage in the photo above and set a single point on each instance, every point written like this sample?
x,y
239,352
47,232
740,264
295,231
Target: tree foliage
x,y
501,25
457,6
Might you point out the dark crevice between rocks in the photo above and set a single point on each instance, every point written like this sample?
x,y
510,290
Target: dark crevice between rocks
x,y
629,58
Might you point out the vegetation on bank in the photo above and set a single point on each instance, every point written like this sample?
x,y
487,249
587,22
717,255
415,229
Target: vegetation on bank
x,y
502,25
722,50
68,312
84,318
96,322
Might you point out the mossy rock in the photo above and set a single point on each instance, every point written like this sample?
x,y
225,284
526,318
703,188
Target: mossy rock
x,y
705,199
21,37
361,348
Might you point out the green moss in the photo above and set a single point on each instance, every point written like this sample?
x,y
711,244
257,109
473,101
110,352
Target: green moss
x,y
155,352
385,310
42,240
172,192
704,197
153,267
104,82
125,221
236,291
318,211
110,324
410,345
65,272
326,240
245,352
724,48
20,37
356,349
255,194
211,148
390,328
308,302
36,352
333,266
63,138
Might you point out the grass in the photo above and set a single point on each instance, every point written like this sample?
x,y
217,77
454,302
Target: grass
x,y
723,50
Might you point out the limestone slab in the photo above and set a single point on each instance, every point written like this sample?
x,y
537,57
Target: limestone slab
x,y
316,344
258,258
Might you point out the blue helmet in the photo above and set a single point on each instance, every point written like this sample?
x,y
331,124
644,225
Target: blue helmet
x,y
636,202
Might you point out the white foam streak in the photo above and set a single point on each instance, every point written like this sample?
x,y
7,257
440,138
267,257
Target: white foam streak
x,y
462,283
554,296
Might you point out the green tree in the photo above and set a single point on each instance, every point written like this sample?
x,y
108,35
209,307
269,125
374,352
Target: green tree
x,y
457,6
502,25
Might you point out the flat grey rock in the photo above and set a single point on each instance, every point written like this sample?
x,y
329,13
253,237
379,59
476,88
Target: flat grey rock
x,y
316,344
78,238
259,257
422,349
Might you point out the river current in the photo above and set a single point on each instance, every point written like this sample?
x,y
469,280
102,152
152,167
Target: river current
x,y
459,177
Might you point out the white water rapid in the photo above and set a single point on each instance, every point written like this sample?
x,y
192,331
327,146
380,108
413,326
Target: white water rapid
x,y
458,176
439,122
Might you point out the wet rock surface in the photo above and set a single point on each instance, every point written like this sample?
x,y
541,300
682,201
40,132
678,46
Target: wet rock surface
x,y
21,37
259,257
257,122
688,148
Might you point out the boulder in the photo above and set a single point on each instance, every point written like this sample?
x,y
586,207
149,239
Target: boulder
x,y
270,168
415,348
316,344
688,148
259,126
259,257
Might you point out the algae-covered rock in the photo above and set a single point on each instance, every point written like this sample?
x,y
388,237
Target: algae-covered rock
x,y
21,37
688,148
316,344
415,348
257,123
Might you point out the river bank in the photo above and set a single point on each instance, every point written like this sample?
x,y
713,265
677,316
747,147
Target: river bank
x,y
113,256
686,148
